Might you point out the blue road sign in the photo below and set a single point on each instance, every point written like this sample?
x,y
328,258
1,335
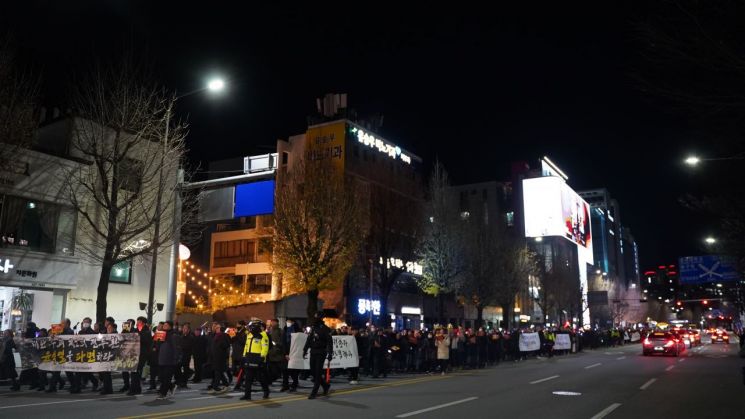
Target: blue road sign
x,y
705,269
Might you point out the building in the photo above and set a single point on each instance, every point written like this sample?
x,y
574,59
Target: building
x,y
44,242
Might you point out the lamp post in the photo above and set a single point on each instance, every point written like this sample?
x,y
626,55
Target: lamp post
x,y
694,160
214,85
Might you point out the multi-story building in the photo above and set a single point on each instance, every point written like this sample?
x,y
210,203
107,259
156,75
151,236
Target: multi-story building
x,y
45,252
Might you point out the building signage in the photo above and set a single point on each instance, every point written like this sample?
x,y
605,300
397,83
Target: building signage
x,y
410,267
393,151
705,269
365,306
5,266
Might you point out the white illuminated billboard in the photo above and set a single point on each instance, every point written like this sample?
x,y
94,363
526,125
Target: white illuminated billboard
x,y
552,208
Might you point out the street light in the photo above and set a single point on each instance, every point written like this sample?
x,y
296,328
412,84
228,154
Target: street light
x,y
692,160
710,240
216,85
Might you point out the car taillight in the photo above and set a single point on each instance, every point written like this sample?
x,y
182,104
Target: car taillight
x,y
669,343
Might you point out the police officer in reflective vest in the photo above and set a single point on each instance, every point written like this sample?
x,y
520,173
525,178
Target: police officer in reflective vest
x,y
321,346
254,358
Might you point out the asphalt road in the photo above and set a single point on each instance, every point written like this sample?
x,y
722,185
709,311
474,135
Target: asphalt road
x,y
705,381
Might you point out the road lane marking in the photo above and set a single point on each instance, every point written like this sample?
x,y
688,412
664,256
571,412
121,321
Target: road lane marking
x,y
681,360
544,379
670,367
620,358
647,384
66,401
567,393
605,412
429,409
593,365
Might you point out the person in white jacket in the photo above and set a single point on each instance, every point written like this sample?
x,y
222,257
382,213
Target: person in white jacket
x,y
442,342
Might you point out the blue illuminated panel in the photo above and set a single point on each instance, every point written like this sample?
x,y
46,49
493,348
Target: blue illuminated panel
x,y
256,198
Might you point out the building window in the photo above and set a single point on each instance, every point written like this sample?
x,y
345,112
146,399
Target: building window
x,y
36,225
130,175
510,218
121,273
260,284
233,252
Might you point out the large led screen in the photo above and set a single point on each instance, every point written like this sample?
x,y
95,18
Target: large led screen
x,y
255,198
552,208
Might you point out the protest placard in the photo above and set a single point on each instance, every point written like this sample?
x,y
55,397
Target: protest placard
x,y
562,342
529,342
81,353
344,347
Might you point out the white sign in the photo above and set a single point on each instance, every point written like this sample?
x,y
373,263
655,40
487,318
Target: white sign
x,y
529,342
562,342
345,352
6,267
371,141
365,306
636,337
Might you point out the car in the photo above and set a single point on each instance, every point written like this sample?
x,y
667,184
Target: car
x,y
689,337
720,336
665,343
695,336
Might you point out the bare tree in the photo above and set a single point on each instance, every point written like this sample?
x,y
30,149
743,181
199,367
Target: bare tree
x,y
18,93
515,264
124,194
441,247
394,231
320,222
482,248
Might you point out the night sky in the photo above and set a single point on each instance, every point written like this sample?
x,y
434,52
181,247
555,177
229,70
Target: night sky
x,y
476,88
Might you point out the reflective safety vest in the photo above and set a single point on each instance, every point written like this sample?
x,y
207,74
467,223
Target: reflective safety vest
x,y
257,344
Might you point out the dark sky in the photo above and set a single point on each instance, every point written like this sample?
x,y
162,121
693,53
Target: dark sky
x,y
477,88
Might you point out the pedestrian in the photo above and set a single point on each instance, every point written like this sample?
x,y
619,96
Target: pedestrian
x,y
219,351
7,360
481,345
168,357
442,342
254,359
154,350
31,374
237,343
183,371
128,328
354,373
87,329
146,343
105,376
287,373
320,344
56,375
201,343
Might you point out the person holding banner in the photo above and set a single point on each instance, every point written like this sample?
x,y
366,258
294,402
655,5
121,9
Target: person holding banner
x,y
56,375
321,346
7,360
86,329
254,358
146,342
287,373
168,356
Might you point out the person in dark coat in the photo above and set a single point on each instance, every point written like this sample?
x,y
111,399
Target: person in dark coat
x,y
32,374
153,359
237,344
127,327
7,360
287,373
219,352
276,355
86,329
146,343
105,377
201,343
56,376
188,340
168,357
321,347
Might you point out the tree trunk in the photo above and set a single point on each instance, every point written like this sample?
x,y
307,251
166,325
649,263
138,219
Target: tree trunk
x,y
507,315
103,289
479,315
312,308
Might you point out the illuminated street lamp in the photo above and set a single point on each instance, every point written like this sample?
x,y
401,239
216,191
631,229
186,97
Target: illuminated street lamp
x,y
692,160
216,85
710,240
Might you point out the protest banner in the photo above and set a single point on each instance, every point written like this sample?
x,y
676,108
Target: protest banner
x,y
563,342
635,337
81,353
529,342
345,352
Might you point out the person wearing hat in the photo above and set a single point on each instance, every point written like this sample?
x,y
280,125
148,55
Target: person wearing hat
x,y
254,358
321,346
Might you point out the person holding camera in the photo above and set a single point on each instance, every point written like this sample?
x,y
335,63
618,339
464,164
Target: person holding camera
x,y
254,358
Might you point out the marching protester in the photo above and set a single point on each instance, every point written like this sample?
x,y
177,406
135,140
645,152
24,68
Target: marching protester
x,y
183,371
442,341
167,361
146,342
7,360
153,359
254,359
287,373
237,343
33,374
105,376
86,329
219,351
201,343
127,327
321,349
276,356
56,376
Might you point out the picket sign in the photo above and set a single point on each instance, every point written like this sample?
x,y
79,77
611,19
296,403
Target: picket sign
x,y
529,342
345,352
563,342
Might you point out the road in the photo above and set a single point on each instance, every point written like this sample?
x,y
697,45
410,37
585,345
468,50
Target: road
x,y
615,383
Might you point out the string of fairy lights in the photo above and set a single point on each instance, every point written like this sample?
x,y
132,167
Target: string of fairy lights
x,y
196,277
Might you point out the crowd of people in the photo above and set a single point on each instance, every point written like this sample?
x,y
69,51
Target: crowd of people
x,y
172,356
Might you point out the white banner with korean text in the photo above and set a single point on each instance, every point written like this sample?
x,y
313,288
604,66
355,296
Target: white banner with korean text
x,y
345,352
529,342
562,342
